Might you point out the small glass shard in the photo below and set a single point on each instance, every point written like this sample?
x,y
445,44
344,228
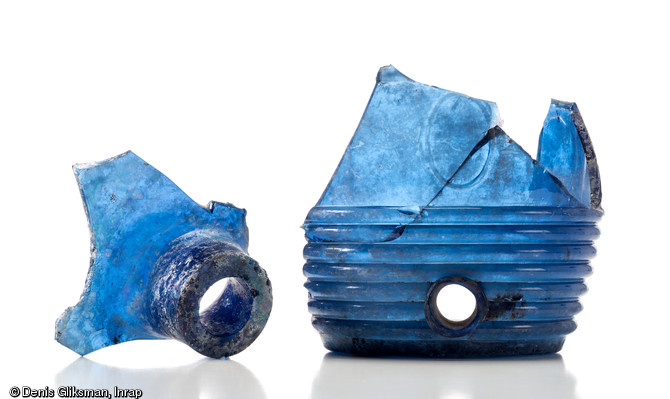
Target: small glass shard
x,y
154,253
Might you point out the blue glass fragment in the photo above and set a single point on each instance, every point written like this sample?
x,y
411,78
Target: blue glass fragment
x,y
432,192
154,254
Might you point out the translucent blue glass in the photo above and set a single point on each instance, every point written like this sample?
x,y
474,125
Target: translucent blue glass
x,y
432,192
154,254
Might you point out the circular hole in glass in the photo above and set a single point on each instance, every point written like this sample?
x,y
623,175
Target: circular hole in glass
x,y
227,307
456,303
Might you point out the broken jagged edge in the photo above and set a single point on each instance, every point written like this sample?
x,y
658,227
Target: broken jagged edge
x,y
432,192
154,253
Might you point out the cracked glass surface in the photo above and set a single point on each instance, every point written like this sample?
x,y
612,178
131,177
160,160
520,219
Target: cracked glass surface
x,y
432,191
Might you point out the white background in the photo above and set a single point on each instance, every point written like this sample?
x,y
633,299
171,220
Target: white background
x,y
254,103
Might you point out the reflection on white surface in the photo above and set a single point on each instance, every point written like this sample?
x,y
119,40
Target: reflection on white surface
x,y
209,378
354,377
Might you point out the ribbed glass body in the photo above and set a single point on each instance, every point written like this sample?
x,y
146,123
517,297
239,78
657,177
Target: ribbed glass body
x,y
372,291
